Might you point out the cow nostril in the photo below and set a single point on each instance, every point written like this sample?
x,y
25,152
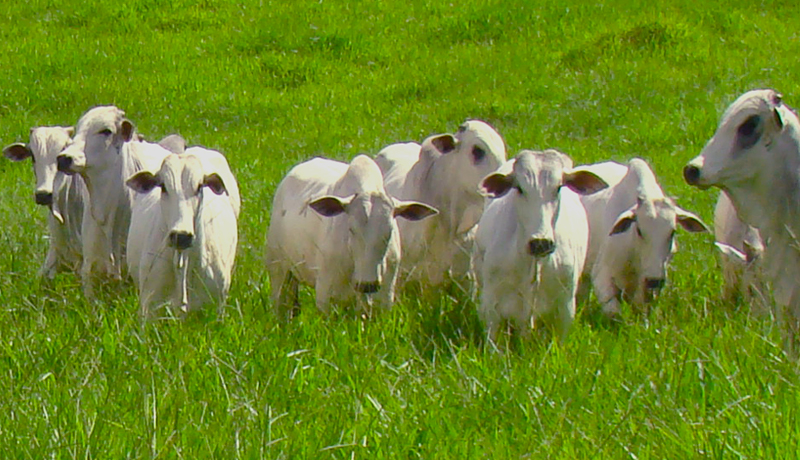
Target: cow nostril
x,y
541,247
691,174
64,163
654,283
181,240
44,198
367,288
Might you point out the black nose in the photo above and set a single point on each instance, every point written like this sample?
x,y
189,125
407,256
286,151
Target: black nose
x,y
367,288
691,174
181,240
654,283
44,198
541,247
64,163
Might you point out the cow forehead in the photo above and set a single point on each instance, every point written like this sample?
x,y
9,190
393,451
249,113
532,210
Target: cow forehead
x,y
48,141
749,103
539,169
98,118
656,214
181,172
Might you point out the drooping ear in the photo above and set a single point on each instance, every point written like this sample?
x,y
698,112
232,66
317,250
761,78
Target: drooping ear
x,y
496,185
444,143
17,152
215,183
413,210
329,206
690,222
70,130
143,182
126,130
584,182
624,222
731,253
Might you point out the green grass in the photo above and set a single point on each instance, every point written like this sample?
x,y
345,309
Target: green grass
x,y
273,83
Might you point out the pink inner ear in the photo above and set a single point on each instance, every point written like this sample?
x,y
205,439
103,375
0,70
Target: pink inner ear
x,y
496,185
214,182
584,182
17,152
328,206
445,143
126,130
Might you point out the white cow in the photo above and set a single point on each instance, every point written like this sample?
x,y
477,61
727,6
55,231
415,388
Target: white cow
x,y
106,151
444,172
754,156
183,235
63,195
632,235
740,247
333,227
532,241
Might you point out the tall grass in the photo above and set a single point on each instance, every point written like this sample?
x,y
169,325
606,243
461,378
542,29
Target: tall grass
x,y
273,83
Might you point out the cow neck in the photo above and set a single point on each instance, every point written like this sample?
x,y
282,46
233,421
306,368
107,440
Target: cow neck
x,y
106,191
460,209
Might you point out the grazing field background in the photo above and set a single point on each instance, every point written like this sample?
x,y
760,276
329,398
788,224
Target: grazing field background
x,y
273,83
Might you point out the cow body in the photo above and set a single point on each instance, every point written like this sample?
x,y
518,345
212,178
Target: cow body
x,y
105,152
333,227
444,172
532,241
65,196
632,236
183,234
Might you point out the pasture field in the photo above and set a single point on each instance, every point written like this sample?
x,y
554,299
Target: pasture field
x,y
272,83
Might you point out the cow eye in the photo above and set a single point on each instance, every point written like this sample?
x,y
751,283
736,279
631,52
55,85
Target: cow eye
x,y
105,132
748,131
478,154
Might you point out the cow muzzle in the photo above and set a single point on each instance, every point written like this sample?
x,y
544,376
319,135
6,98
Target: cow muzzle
x,y
540,247
181,240
64,164
43,198
370,287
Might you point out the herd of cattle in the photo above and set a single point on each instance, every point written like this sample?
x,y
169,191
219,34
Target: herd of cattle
x,y
531,234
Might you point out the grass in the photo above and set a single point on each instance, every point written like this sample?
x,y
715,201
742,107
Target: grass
x,y
273,83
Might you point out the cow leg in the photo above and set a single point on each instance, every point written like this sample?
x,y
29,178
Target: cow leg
x,y
284,292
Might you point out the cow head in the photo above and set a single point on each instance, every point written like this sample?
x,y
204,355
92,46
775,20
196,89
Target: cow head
x,y
183,184
44,146
536,179
740,148
651,224
370,220
99,137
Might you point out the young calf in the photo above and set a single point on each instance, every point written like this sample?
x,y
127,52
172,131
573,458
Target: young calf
x,y
532,241
633,230
65,196
183,235
333,226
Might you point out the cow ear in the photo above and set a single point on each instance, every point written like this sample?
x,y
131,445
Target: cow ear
x,y
751,253
70,130
17,152
414,211
215,183
584,182
690,222
444,143
143,182
496,185
126,130
624,222
730,253
330,206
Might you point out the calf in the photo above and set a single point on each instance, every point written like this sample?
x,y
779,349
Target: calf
x,y
532,241
333,227
183,235
633,237
63,195
754,156
444,172
105,152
